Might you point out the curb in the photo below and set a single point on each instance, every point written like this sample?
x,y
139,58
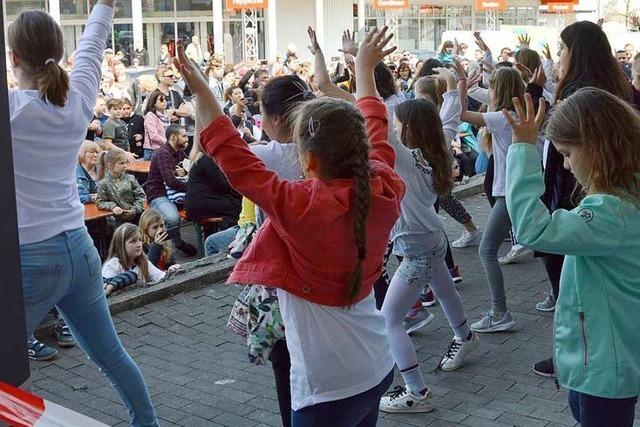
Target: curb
x,y
209,270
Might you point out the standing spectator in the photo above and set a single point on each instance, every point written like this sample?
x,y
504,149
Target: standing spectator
x,y
165,58
215,72
87,171
175,104
164,171
135,127
115,133
155,123
446,53
194,50
621,56
404,81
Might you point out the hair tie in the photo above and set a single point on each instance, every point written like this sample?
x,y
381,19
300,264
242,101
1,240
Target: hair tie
x,y
49,61
313,126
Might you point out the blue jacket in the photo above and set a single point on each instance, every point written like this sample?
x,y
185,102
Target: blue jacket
x,y
86,185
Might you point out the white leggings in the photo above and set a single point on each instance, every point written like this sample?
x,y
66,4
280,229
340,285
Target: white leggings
x,y
407,283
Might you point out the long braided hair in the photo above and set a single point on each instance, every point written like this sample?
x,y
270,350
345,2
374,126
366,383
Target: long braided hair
x,y
334,130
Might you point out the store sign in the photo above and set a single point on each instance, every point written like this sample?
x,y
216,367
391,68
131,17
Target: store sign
x,y
247,4
491,5
560,7
390,4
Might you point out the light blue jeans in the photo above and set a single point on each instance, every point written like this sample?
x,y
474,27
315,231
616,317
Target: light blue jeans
x,y
220,241
65,271
169,211
148,153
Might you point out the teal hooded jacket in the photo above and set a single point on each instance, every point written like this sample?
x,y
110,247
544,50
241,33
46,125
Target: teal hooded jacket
x,y
597,318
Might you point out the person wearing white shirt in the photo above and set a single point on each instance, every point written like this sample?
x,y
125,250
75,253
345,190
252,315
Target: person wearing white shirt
x,y
194,50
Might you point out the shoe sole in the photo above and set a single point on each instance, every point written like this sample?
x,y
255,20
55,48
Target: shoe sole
x,y
407,410
543,374
429,303
457,280
497,328
66,344
44,359
421,324
513,260
476,345
546,310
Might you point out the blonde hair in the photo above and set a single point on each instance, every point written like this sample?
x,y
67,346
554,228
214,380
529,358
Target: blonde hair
x,y
147,219
111,157
505,84
118,249
431,88
36,39
86,146
608,137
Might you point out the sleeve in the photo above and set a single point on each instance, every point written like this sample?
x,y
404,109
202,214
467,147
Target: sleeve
x,y
86,72
550,85
109,130
498,126
377,123
479,94
245,79
156,136
111,268
450,115
248,212
83,189
595,228
155,274
154,253
104,199
165,166
138,194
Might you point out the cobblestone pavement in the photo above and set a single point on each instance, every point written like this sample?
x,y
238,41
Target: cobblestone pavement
x,y
198,374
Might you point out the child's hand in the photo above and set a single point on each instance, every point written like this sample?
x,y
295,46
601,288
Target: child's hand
x,y
539,77
524,40
161,236
457,66
191,72
131,157
117,211
314,47
480,42
445,75
174,268
349,44
526,129
108,289
524,72
137,137
372,50
546,51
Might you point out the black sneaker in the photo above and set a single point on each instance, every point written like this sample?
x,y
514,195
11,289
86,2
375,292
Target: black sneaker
x,y
187,249
39,351
63,334
545,368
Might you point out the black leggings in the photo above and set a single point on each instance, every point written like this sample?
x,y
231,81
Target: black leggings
x,y
553,264
488,182
281,364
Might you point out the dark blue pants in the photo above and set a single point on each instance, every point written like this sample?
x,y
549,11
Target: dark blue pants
x,y
592,411
360,410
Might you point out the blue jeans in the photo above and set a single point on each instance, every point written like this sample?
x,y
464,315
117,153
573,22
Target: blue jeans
x,y
65,271
360,410
169,211
592,411
220,241
148,153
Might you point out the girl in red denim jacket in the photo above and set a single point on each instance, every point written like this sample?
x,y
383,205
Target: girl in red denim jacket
x,y
324,239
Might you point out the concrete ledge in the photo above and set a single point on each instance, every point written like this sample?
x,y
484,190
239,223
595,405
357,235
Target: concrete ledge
x,y
475,185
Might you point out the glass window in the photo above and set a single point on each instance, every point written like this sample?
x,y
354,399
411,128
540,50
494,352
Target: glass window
x,y
123,40
194,7
73,9
158,8
408,34
14,7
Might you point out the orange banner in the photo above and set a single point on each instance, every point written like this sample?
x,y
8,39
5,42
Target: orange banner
x,y
491,5
247,4
560,7
390,4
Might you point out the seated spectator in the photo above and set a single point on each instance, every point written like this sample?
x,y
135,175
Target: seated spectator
x,y
208,191
135,127
88,172
166,170
155,240
115,133
118,191
126,263
155,123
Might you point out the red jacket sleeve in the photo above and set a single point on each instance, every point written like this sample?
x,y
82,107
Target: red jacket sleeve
x,y
375,116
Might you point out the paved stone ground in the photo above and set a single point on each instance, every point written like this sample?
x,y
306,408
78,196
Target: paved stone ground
x,y
198,374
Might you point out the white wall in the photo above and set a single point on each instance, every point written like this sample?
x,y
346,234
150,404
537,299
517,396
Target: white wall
x,y
293,18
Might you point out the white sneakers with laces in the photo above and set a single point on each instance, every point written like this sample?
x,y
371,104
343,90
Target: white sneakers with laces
x,y
457,352
401,400
468,239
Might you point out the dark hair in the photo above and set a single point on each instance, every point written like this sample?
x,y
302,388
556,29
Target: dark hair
x,y
428,66
173,130
445,45
590,62
126,101
422,129
281,95
505,64
36,39
229,92
152,99
385,82
334,130
529,58
404,64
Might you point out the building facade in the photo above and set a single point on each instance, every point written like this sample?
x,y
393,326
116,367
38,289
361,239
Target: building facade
x,y
266,31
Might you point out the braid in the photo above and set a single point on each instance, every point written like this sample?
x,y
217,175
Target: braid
x,y
359,162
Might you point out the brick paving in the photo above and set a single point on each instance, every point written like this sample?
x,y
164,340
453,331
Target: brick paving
x,y
198,374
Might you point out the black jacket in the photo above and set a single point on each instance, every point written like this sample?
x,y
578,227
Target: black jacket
x,y
209,193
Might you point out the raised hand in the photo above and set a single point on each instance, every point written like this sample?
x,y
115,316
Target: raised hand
x,y
526,73
528,123
457,66
313,46
349,44
474,78
546,51
524,40
445,75
600,22
635,21
480,42
539,77
372,51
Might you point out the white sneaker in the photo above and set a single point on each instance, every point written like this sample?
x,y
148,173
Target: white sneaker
x,y
401,399
468,239
457,352
515,254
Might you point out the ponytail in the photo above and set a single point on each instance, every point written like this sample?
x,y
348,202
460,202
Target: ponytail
x,y
53,84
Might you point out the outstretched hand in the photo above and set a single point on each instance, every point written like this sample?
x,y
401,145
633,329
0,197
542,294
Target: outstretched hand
x,y
546,51
480,42
529,123
372,51
524,40
314,47
349,44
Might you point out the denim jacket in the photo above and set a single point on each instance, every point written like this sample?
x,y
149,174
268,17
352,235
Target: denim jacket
x,y
86,185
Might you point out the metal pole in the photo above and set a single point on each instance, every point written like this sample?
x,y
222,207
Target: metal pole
x,y
14,365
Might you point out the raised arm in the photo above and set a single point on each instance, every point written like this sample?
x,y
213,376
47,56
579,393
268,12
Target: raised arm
x,y
472,117
86,72
320,71
451,108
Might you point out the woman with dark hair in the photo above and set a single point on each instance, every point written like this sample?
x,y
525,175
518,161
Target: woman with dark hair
x,y
585,60
404,81
155,123
446,53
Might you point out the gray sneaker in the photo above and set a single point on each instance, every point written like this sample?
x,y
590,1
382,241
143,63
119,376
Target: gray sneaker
x,y
421,320
549,304
490,323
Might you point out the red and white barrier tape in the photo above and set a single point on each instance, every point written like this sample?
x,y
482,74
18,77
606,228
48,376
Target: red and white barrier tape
x,y
20,408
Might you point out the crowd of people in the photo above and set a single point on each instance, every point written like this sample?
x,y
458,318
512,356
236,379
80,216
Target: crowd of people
x,y
320,173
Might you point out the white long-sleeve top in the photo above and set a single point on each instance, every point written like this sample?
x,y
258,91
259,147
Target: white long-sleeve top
x,y
450,111
112,268
46,139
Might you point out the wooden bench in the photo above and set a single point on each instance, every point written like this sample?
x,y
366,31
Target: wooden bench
x,y
199,228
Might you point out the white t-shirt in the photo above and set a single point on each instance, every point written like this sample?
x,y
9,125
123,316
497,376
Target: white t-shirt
x,y
112,268
335,352
500,142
